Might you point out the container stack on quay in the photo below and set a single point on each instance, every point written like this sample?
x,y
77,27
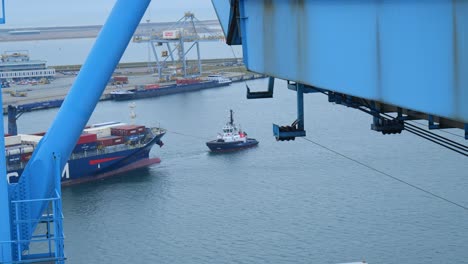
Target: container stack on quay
x,y
147,87
187,81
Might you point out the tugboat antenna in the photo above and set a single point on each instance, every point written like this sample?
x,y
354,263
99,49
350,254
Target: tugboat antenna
x,y
232,119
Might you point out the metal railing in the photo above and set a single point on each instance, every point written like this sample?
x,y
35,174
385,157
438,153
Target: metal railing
x,y
49,240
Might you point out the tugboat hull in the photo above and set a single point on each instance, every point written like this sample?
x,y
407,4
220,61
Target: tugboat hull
x,y
221,146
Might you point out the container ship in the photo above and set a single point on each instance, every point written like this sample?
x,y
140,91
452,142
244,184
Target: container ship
x,y
102,150
181,86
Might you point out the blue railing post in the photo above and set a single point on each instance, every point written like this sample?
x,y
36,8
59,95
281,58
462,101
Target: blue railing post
x,y
5,224
57,212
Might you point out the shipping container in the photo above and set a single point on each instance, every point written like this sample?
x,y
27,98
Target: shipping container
x,y
134,138
86,138
30,139
151,86
123,79
12,151
14,159
127,130
106,124
26,157
99,131
12,140
103,129
110,141
187,81
171,34
18,150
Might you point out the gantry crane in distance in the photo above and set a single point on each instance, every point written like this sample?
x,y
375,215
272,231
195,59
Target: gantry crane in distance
x,y
175,43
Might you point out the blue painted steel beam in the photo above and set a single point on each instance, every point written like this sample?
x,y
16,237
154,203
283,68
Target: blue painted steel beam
x,y
2,18
410,54
5,234
38,176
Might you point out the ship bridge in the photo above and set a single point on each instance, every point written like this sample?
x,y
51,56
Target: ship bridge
x,y
396,60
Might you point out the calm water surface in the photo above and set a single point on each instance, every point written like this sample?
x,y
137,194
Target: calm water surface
x,y
282,202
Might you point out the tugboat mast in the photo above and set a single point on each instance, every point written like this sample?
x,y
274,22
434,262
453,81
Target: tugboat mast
x,y
232,119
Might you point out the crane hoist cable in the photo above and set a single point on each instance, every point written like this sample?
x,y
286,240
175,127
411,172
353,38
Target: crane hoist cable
x,y
434,195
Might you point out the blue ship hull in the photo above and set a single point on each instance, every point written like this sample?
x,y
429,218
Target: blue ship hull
x,y
94,166
221,146
166,90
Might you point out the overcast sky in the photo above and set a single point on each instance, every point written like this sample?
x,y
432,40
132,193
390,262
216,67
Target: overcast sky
x,y
38,13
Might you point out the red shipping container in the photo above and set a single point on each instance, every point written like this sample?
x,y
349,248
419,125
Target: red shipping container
x,y
110,141
127,130
187,81
121,79
26,157
87,138
151,86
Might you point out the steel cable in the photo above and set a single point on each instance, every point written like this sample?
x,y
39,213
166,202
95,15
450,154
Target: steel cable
x,y
389,176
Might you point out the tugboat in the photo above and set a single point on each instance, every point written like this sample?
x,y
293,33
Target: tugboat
x,y
232,139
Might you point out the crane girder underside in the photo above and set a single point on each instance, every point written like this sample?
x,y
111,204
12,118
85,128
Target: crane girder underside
x,y
407,55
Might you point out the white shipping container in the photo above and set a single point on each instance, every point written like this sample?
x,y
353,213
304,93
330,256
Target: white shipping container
x,y
27,149
30,138
171,34
12,140
99,131
105,124
103,129
18,150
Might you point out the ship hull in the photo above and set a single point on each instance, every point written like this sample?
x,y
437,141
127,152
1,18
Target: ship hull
x,y
94,166
167,90
217,146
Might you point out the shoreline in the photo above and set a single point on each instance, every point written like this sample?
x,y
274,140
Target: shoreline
x,y
90,31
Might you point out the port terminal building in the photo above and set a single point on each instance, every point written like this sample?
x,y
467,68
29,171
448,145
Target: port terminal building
x,y
16,65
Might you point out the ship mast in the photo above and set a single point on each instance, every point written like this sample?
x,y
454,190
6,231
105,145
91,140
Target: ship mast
x,y
232,119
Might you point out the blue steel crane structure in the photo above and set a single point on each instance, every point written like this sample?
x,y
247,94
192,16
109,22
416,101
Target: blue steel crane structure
x,y
401,57
36,198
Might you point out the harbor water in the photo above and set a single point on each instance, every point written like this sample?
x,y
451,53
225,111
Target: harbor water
x,y
281,202
74,51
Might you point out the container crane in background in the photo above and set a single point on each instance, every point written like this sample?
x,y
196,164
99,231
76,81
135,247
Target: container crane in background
x,y
175,43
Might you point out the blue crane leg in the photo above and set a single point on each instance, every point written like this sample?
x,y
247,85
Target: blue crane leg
x,y
79,104
5,235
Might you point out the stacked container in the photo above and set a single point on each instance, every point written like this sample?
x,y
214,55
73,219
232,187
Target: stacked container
x,y
187,81
130,133
151,86
110,141
86,142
